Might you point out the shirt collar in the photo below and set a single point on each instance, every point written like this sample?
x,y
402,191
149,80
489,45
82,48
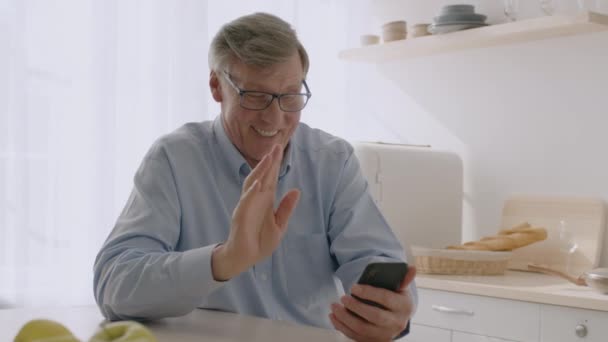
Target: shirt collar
x,y
237,164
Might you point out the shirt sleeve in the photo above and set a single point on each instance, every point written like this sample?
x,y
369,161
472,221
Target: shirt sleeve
x,y
358,232
137,273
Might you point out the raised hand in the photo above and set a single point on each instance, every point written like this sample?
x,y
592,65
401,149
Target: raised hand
x,y
256,229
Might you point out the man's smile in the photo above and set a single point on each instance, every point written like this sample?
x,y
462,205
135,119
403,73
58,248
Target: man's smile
x,y
266,133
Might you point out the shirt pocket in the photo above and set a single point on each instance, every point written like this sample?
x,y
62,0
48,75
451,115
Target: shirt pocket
x,y
309,269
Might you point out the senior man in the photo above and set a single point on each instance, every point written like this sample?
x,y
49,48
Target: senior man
x,y
253,212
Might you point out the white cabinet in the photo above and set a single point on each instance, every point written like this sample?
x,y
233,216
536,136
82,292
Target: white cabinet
x,y
486,316
562,324
464,337
456,317
423,333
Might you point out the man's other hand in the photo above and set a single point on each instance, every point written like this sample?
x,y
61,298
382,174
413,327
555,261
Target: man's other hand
x,y
372,323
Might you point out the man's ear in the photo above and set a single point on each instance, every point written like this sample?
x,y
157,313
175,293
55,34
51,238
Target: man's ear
x,y
215,86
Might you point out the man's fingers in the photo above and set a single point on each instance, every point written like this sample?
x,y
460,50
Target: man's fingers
x,y
392,301
409,277
286,207
343,328
258,171
255,187
270,178
358,325
372,314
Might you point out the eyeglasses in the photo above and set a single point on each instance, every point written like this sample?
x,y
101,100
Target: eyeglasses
x,y
259,100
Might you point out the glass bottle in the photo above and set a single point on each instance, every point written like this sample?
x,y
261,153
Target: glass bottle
x,y
567,245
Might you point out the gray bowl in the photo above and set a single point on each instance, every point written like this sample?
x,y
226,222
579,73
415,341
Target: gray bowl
x,y
449,9
457,18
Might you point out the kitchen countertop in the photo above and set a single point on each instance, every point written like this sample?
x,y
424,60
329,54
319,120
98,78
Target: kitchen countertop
x,y
524,286
199,325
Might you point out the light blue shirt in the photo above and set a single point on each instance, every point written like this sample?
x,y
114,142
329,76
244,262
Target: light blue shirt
x,y
157,260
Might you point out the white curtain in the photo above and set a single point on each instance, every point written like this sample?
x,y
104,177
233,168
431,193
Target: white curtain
x,y
85,87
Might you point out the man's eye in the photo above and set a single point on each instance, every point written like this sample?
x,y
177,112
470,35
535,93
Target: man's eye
x,y
257,96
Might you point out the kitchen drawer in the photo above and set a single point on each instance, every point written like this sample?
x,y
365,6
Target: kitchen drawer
x,y
422,333
501,318
464,337
560,323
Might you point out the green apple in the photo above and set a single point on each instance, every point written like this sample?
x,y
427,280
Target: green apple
x,y
44,330
123,331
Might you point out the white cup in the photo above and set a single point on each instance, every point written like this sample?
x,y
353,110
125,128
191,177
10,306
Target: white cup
x,y
392,36
369,39
394,30
419,30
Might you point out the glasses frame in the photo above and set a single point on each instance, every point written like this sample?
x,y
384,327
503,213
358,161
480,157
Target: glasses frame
x,y
243,92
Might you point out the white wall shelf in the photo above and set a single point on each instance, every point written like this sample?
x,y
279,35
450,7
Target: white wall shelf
x,y
493,35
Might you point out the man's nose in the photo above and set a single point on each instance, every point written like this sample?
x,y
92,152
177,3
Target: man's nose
x,y
273,113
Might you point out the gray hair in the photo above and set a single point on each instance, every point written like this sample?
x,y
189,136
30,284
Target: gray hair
x,y
259,39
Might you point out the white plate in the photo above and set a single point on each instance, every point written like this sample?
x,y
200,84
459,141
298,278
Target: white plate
x,y
447,23
441,29
467,17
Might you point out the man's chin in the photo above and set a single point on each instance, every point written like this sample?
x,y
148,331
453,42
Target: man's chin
x,y
254,158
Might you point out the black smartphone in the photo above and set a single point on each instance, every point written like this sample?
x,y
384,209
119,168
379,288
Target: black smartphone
x,y
386,275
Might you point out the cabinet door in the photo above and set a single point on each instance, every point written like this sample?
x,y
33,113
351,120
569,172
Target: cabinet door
x,y
422,333
486,316
560,324
464,337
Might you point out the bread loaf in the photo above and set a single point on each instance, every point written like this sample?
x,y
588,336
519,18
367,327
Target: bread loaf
x,y
519,227
507,239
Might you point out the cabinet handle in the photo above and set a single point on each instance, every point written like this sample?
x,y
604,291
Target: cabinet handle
x,y
446,309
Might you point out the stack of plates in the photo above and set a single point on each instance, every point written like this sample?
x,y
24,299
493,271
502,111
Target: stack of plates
x,y
455,18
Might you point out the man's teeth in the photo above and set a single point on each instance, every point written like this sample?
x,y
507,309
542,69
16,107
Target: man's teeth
x,y
266,133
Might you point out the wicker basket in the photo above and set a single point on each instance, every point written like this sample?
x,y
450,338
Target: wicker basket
x,y
442,261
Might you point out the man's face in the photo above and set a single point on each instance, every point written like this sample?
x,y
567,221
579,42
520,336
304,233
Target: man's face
x,y
255,132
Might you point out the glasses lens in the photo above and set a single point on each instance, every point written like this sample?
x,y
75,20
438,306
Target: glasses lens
x,y
293,103
255,101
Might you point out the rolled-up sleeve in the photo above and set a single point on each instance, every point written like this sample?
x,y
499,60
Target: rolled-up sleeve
x,y
137,273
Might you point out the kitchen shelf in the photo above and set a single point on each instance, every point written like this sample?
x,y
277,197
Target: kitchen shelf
x,y
487,36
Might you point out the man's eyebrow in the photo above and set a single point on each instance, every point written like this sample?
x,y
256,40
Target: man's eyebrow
x,y
253,86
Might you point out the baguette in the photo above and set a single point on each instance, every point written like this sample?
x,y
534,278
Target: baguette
x,y
519,227
507,239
